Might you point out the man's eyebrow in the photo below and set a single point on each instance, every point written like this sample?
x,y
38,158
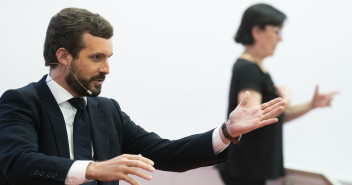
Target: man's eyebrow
x,y
100,53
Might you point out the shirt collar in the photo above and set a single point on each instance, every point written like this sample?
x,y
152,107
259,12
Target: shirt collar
x,y
60,94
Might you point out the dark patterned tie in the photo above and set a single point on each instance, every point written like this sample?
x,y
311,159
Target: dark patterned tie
x,y
81,131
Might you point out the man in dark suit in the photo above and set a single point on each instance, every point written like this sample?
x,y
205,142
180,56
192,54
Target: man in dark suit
x,y
37,122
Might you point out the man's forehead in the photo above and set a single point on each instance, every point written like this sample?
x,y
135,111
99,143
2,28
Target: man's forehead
x,y
97,44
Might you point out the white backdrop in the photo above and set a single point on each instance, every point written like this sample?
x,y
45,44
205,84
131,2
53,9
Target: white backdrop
x,y
172,65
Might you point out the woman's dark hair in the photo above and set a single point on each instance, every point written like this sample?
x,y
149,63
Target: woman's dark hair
x,y
257,15
66,30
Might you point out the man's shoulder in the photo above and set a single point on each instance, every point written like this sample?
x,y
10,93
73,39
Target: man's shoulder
x,y
108,105
21,99
28,90
104,101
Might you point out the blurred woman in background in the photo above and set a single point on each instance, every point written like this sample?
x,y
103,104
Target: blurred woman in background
x,y
258,158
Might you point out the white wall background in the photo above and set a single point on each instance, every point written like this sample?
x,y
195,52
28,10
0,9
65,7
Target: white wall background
x,y
173,59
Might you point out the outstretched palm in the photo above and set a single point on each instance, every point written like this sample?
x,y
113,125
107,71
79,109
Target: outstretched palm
x,y
245,119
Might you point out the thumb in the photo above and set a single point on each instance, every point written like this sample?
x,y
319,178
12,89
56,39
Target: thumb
x,y
316,89
245,99
316,92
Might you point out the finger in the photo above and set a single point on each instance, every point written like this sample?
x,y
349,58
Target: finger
x,y
140,158
333,93
316,92
273,113
245,99
130,180
140,164
267,122
271,105
329,99
138,172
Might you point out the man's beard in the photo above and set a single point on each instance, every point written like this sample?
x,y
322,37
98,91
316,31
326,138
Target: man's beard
x,y
81,90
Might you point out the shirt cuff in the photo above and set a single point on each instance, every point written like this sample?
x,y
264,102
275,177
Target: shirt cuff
x,y
77,173
218,145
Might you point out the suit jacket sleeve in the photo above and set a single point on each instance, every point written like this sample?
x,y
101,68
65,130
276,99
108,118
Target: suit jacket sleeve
x,y
21,159
177,155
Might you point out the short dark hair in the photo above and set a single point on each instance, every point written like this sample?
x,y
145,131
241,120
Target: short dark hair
x,y
66,30
257,15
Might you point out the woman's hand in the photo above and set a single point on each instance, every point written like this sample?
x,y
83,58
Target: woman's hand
x,y
322,100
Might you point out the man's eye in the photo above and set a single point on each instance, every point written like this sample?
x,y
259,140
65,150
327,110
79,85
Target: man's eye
x,y
96,57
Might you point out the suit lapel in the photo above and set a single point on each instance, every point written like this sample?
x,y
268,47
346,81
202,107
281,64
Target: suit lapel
x,y
55,116
99,130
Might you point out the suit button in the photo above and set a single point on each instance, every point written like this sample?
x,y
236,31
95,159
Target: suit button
x,y
54,175
49,175
41,173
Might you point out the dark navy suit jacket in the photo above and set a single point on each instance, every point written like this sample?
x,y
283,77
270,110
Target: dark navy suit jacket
x,y
34,146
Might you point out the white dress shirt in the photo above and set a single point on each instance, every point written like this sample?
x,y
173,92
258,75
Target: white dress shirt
x,y
77,172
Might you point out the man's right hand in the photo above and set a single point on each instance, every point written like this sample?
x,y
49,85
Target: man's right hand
x,y
119,168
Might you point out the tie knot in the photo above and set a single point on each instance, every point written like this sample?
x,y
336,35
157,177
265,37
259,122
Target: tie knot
x,y
78,103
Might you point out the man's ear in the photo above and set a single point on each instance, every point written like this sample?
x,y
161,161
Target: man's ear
x,y
63,56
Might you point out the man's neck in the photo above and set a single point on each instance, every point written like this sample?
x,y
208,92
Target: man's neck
x,y
58,75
